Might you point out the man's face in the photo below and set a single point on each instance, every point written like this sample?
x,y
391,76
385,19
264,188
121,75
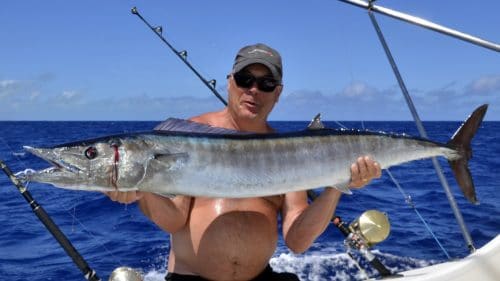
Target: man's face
x,y
251,102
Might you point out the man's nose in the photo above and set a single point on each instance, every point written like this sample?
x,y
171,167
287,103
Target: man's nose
x,y
254,89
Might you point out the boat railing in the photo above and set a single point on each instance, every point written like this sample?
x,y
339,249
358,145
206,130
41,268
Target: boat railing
x,y
371,8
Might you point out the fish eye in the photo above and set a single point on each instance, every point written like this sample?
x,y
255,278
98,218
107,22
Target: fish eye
x,y
90,152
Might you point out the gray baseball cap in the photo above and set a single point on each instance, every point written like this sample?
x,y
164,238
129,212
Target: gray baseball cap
x,y
259,53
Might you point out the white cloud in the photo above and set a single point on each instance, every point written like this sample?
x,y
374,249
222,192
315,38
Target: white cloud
x,y
9,87
27,100
359,90
69,95
485,85
18,89
360,101
7,83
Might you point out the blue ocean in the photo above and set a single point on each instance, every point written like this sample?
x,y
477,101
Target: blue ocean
x,y
109,235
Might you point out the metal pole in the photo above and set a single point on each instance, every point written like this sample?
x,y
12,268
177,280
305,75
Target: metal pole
x,y
88,272
182,55
421,130
425,23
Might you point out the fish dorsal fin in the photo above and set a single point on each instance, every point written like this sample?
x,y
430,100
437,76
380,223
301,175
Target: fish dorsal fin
x,y
316,123
182,125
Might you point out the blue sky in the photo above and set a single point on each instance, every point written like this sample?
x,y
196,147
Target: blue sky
x,y
94,60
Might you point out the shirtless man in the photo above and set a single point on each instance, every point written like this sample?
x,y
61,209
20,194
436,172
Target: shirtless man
x,y
234,239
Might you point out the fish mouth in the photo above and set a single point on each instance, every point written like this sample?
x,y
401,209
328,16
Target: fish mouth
x,y
58,164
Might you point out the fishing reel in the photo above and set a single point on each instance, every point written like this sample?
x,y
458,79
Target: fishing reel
x,y
369,229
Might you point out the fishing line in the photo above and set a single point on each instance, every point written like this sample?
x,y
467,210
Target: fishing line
x,y
92,236
49,224
340,124
412,205
70,210
408,200
14,153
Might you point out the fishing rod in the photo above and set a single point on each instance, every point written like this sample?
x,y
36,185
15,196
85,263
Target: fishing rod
x,y
80,262
158,30
355,239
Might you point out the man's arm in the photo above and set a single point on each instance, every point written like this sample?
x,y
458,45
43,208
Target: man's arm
x,y
303,223
169,214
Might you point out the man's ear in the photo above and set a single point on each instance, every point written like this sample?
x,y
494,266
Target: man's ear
x,y
278,92
228,82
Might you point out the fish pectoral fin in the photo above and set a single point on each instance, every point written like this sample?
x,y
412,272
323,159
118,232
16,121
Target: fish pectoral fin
x,y
169,161
343,187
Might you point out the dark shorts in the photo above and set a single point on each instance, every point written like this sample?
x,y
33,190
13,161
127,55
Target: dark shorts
x,y
267,274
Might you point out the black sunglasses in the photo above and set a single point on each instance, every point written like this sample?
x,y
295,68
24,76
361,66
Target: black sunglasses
x,y
264,83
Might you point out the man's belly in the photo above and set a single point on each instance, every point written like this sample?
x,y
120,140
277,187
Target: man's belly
x,y
227,239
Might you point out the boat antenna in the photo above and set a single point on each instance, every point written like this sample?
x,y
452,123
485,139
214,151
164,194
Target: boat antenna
x,y
80,262
444,30
158,30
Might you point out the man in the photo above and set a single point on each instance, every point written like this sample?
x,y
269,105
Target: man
x,y
234,239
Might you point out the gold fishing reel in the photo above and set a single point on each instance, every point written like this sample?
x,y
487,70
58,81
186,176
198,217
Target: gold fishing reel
x,y
370,228
373,226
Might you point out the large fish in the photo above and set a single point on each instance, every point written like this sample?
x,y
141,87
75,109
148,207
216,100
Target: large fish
x,y
224,163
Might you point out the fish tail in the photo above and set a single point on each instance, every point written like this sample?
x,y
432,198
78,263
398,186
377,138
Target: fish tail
x,y
460,141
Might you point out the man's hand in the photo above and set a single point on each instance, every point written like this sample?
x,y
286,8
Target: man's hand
x,y
363,171
124,197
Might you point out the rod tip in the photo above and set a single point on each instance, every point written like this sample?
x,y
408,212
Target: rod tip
x,y
134,10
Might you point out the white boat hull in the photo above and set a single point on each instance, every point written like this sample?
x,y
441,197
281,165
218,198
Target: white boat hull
x,y
482,265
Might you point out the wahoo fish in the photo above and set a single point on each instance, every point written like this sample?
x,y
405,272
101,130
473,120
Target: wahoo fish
x,y
215,162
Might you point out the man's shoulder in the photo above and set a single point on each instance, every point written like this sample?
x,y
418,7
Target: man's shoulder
x,y
215,119
206,118
203,118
